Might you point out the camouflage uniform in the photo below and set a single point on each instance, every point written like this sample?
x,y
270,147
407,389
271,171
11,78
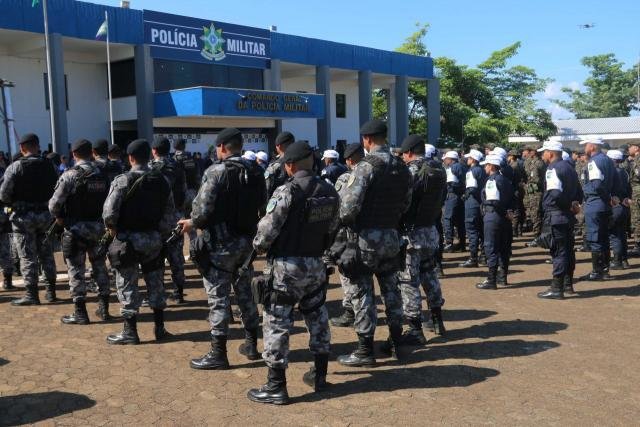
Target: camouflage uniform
x,y
192,180
348,288
580,168
535,173
84,234
227,253
274,175
147,246
635,205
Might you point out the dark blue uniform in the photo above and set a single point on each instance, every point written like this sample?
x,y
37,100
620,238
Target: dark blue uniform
x,y
620,215
497,199
599,183
454,205
474,181
332,172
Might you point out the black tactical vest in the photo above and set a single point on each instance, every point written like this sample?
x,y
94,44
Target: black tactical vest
x,y
277,178
192,175
111,168
145,202
314,207
427,198
386,194
175,175
35,181
92,189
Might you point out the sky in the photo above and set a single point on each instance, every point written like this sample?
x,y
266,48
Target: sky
x,y
466,30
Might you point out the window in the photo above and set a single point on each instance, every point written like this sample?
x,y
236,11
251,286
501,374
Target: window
x,y
123,78
341,105
46,92
170,75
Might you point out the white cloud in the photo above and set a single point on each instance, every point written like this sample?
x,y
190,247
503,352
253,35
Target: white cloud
x,y
574,85
553,90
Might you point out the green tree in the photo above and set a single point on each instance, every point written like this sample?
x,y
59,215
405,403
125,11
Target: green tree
x,y
610,90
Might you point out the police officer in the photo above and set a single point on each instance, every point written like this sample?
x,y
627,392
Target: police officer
x,y
497,204
560,203
599,184
454,205
27,186
192,177
115,155
535,170
619,212
518,176
333,169
226,209
429,185
6,260
76,205
275,174
377,194
101,156
353,153
474,182
300,218
175,176
138,210
634,155
581,165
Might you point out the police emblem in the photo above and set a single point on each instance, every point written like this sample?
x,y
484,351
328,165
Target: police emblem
x,y
271,205
352,179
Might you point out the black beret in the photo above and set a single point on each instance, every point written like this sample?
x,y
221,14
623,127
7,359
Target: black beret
x,y
606,146
30,138
139,148
285,138
227,135
161,144
373,127
352,149
113,148
179,143
297,151
101,145
81,144
411,142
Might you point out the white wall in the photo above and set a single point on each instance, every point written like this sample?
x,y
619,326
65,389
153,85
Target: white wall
x,y
301,128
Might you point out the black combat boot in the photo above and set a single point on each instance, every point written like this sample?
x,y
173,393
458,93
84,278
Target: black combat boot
x,y
345,320
616,263
439,270
249,348
362,355
50,294
129,334
414,335
596,268
501,277
79,316
274,391
177,295
391,347
472,262
216,359
7,282
31,297
159,331
568,284
316,376
482,260
625,263
555,291
103,308
438,323
490,281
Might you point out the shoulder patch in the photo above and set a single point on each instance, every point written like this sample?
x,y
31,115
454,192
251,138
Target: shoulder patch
x,y
352,179
272,205
267,174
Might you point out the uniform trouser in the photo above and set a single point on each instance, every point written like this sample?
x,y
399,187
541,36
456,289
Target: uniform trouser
x,y
454,218
302,281
348,290
618,231
473,225
175,256
597,230
562,254
440,238
6,262
533,205
420,270
635,215
76,266
497,240
34,251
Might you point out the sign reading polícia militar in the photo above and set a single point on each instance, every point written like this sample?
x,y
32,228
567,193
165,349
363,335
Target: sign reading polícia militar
x,y
186,39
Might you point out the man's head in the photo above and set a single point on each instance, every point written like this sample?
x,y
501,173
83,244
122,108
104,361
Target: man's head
x,y
139,152
374,133
29,144
634,148
284,140
180,144
228,143
412,148
353,153
616,155
114,152
160,148
100,148
473,157
450,157
330,156
298,157
492,164
592,146
551,151
81,150
513,155
262,158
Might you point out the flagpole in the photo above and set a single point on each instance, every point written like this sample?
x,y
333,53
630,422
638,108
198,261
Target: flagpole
x,y
106,18
52,118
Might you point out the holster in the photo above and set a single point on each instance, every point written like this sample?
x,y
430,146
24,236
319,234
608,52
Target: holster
x,y
261,289
545,240
397,263
349,262
121,254
200,254
69,245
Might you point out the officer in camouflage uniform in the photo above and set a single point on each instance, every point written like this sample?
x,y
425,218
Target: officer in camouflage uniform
x,y
192,177
353,153
6,260
581,164
634,154
138,210
176,178
429,185
300,219
226,209
377,194
101,157
76,205
519,174
535,170
275,174
27,186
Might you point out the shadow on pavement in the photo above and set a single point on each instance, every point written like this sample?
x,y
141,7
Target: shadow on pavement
x,y
390,380
503,328
632,291
3,361
485,350
462,315
31,408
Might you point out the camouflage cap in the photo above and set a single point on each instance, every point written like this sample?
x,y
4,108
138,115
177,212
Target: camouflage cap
x,y
514,153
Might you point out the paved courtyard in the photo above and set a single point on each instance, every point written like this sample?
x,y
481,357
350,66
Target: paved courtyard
x,y
508,358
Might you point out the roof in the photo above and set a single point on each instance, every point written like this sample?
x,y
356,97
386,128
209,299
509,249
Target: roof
x,y
602,126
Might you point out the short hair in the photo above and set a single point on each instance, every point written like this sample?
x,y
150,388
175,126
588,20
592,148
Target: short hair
x,y
418,149
378,139
234,145
83,152
162,149
141,158
305,164
179,144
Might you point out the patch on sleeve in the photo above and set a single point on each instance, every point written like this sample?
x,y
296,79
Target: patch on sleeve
x,y
267,174
271,205
352,179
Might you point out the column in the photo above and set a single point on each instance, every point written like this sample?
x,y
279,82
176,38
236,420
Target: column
x,y
364,96
391,113
275,84
323,87
433,111
402,109
58,99
144,91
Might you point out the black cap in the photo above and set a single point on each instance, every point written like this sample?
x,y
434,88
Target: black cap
x,y
352,149
297,151
30,138
54,157
113,148
81,145
411,142
101,146
285,138
373,127
139,148
606,146
227,135
179,143
161,144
